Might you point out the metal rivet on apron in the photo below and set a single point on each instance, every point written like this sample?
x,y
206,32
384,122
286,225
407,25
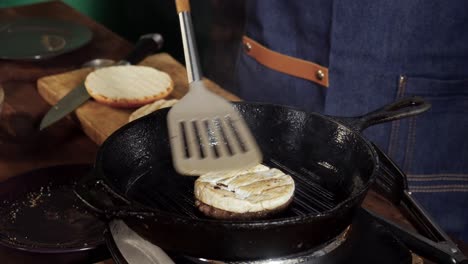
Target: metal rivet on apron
x,y
320,75
247,46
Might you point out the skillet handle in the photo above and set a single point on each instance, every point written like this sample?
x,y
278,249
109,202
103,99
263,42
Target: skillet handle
x,y
439,252
405,107
98,197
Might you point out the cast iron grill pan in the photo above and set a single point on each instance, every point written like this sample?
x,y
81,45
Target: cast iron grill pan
x,y
149,177
330,161
309,197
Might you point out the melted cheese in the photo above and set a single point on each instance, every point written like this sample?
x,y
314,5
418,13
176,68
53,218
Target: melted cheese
x,y
257,189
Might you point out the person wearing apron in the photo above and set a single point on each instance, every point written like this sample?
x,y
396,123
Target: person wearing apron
x,y
347,58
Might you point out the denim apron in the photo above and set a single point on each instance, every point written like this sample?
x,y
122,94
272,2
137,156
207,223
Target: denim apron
x,y
378,51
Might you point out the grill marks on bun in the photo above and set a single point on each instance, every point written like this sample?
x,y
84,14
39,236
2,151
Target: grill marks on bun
x,y
128,85
254,193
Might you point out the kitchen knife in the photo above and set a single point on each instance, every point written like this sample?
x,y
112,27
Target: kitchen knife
x,y
147,44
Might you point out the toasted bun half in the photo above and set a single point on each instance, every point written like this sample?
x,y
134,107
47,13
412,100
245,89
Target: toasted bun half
x,y
149,108
128,85
254,193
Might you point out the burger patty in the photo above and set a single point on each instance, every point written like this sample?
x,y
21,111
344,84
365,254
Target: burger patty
x,y
217,213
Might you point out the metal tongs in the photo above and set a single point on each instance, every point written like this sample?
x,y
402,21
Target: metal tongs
x,y
431,241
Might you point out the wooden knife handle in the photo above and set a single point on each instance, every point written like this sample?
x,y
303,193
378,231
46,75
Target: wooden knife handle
x,y
182,6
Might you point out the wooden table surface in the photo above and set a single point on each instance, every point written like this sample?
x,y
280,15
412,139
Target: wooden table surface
x,y
23,148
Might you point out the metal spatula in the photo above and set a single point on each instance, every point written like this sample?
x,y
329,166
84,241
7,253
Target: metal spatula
x,y
206,132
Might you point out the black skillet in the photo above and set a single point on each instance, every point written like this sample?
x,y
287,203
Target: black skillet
x,y
332,164
42,221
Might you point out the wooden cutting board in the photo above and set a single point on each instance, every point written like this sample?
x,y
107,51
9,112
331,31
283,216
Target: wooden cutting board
x,y
99,121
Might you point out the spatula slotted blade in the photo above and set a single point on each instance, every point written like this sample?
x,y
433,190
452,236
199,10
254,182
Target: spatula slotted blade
x,y
207,134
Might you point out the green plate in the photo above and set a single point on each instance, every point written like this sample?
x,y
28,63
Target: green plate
x,y
40,38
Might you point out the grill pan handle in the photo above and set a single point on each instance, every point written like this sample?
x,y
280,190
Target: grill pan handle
x,y
99,197
440,252
430,241
405,107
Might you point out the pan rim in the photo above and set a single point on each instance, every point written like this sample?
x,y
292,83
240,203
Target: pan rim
x,y
242,224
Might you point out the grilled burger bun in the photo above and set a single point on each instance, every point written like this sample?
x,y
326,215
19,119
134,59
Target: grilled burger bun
x,y
149,108
250,194
128,86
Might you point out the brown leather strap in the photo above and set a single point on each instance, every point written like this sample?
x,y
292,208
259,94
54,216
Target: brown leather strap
x,y
286,64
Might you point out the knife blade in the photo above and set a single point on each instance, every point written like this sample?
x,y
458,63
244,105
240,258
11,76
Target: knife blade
x,y
146,45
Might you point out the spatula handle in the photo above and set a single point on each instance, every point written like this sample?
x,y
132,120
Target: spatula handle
x,y
188,40
182,5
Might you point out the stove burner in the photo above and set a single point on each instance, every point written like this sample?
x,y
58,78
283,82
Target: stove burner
x,y
292,259
365,241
